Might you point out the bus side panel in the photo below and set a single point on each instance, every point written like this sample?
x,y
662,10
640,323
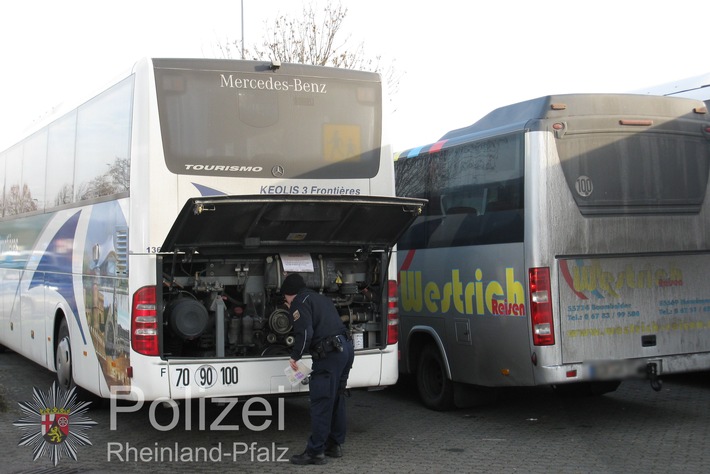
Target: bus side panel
x,y
72,264
10,316
18,259
634,307
480,294
102,290
33,315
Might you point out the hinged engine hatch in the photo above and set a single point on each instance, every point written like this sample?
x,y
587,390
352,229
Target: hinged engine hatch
x,y
229,225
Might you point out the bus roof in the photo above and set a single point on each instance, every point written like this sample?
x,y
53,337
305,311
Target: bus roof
x,y
244,65
520,115
696,87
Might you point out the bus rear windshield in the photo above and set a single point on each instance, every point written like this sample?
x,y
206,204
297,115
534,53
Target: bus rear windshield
x,y
266,123
635,173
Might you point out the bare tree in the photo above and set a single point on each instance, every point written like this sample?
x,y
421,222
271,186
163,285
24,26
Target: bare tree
x,y
113,181
64,196
313,39
19,200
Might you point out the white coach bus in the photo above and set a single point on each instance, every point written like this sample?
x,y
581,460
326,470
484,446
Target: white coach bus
x,y
144,234
566,242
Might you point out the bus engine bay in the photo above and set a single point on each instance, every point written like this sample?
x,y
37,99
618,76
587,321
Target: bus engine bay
x,y
222,264
233,308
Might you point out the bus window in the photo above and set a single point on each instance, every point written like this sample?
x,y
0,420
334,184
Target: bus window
x,y
33,171
15,201
216,122
103,143
60,161
475,193
657,172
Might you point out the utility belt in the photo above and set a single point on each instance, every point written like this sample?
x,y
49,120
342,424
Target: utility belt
x,y
328,344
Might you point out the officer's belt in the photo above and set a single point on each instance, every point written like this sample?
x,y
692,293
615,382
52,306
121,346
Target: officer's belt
x,y
326,345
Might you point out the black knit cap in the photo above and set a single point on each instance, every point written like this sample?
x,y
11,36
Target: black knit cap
x,y
292,284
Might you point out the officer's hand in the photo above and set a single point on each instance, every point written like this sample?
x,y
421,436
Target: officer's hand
x,y
293,364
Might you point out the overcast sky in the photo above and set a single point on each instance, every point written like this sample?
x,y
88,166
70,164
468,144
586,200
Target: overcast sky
x,y
457,59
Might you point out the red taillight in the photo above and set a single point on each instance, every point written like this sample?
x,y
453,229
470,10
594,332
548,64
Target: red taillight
x,y
543,327
392,313
144,322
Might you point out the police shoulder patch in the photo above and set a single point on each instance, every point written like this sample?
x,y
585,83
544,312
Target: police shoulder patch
x,y
296,315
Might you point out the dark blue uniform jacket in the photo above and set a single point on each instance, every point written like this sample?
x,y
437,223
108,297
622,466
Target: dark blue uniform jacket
x,y
314,318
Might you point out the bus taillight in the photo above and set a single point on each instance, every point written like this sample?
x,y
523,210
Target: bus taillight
x,y
392,313
144,322
541,307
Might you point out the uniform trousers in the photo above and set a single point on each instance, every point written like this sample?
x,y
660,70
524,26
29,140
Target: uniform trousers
x,y
327,391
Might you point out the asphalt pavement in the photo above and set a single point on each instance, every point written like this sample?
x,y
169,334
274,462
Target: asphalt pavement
x,y
530,430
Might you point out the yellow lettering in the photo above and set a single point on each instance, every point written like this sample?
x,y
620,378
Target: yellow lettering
x,y
411,284
463,297
660,276
493,288
446,298
516,293
457,289
431,295
469,294
479,291
676,274
606,282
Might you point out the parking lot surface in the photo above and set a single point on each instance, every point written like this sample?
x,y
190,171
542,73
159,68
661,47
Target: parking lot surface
x,y
531,430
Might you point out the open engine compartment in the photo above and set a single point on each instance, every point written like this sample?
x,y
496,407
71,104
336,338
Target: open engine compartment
x,y
232,307
222,263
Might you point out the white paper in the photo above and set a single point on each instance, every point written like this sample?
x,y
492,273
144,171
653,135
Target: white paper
x,y
297,262
297,376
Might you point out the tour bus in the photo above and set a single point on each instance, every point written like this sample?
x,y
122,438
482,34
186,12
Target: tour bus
x,y
145,233
566,242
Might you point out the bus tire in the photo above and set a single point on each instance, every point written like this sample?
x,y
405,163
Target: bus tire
x,y
435,389
63,359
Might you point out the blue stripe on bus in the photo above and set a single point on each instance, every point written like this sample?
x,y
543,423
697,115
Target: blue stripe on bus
x,y
57,263
207,191
414,152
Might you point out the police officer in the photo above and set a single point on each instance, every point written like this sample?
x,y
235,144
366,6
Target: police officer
x,y
319,331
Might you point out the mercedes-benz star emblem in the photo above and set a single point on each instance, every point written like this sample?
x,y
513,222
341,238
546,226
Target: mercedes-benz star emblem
x,y
277,171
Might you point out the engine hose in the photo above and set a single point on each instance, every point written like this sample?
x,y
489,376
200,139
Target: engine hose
x,y
322,273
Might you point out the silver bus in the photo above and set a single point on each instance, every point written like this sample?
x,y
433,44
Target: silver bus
x,y
566,243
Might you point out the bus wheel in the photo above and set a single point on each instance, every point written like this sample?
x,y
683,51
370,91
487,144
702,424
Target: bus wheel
x,y
63,358
435,388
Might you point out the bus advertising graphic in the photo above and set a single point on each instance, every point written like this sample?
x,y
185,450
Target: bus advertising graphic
x,y
54,423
